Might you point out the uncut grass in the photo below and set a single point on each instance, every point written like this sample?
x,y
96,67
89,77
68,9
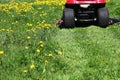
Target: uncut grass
x,y
26,39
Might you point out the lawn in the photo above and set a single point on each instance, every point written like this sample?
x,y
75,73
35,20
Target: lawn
x,y
33,48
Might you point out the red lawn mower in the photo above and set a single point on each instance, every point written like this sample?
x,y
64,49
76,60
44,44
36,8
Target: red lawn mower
x,y
83,12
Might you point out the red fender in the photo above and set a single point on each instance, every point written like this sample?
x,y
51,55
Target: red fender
x,y
85,1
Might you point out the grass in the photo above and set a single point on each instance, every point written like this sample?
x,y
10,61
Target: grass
x,y
32,48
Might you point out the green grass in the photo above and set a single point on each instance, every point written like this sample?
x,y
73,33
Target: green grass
x,y
90,53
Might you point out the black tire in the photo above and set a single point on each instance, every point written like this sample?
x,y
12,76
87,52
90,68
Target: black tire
x,y
68,18
103,17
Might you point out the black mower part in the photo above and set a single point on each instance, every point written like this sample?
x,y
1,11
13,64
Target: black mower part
x,y
68,18
103,17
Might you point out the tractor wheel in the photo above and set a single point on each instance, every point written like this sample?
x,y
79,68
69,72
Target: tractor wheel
x,y
103,17
68,18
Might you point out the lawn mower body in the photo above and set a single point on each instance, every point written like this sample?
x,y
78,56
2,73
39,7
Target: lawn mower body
x,y
84,12
85,1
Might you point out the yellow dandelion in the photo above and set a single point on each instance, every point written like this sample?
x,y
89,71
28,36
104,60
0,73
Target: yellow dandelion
x,y
28,37
50,54
16,22
32,66
1,52
3,29
46,61
42,45
60,53
25,71
29,24
41,42
26,47
108,0
38,50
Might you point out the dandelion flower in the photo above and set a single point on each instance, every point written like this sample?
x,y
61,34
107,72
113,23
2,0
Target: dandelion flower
x,y
29,24
25,71
38,50
26,47
46,61
50,55
3,29
41,42
32,66
42,45
1,52
28,37
108,0
60,53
